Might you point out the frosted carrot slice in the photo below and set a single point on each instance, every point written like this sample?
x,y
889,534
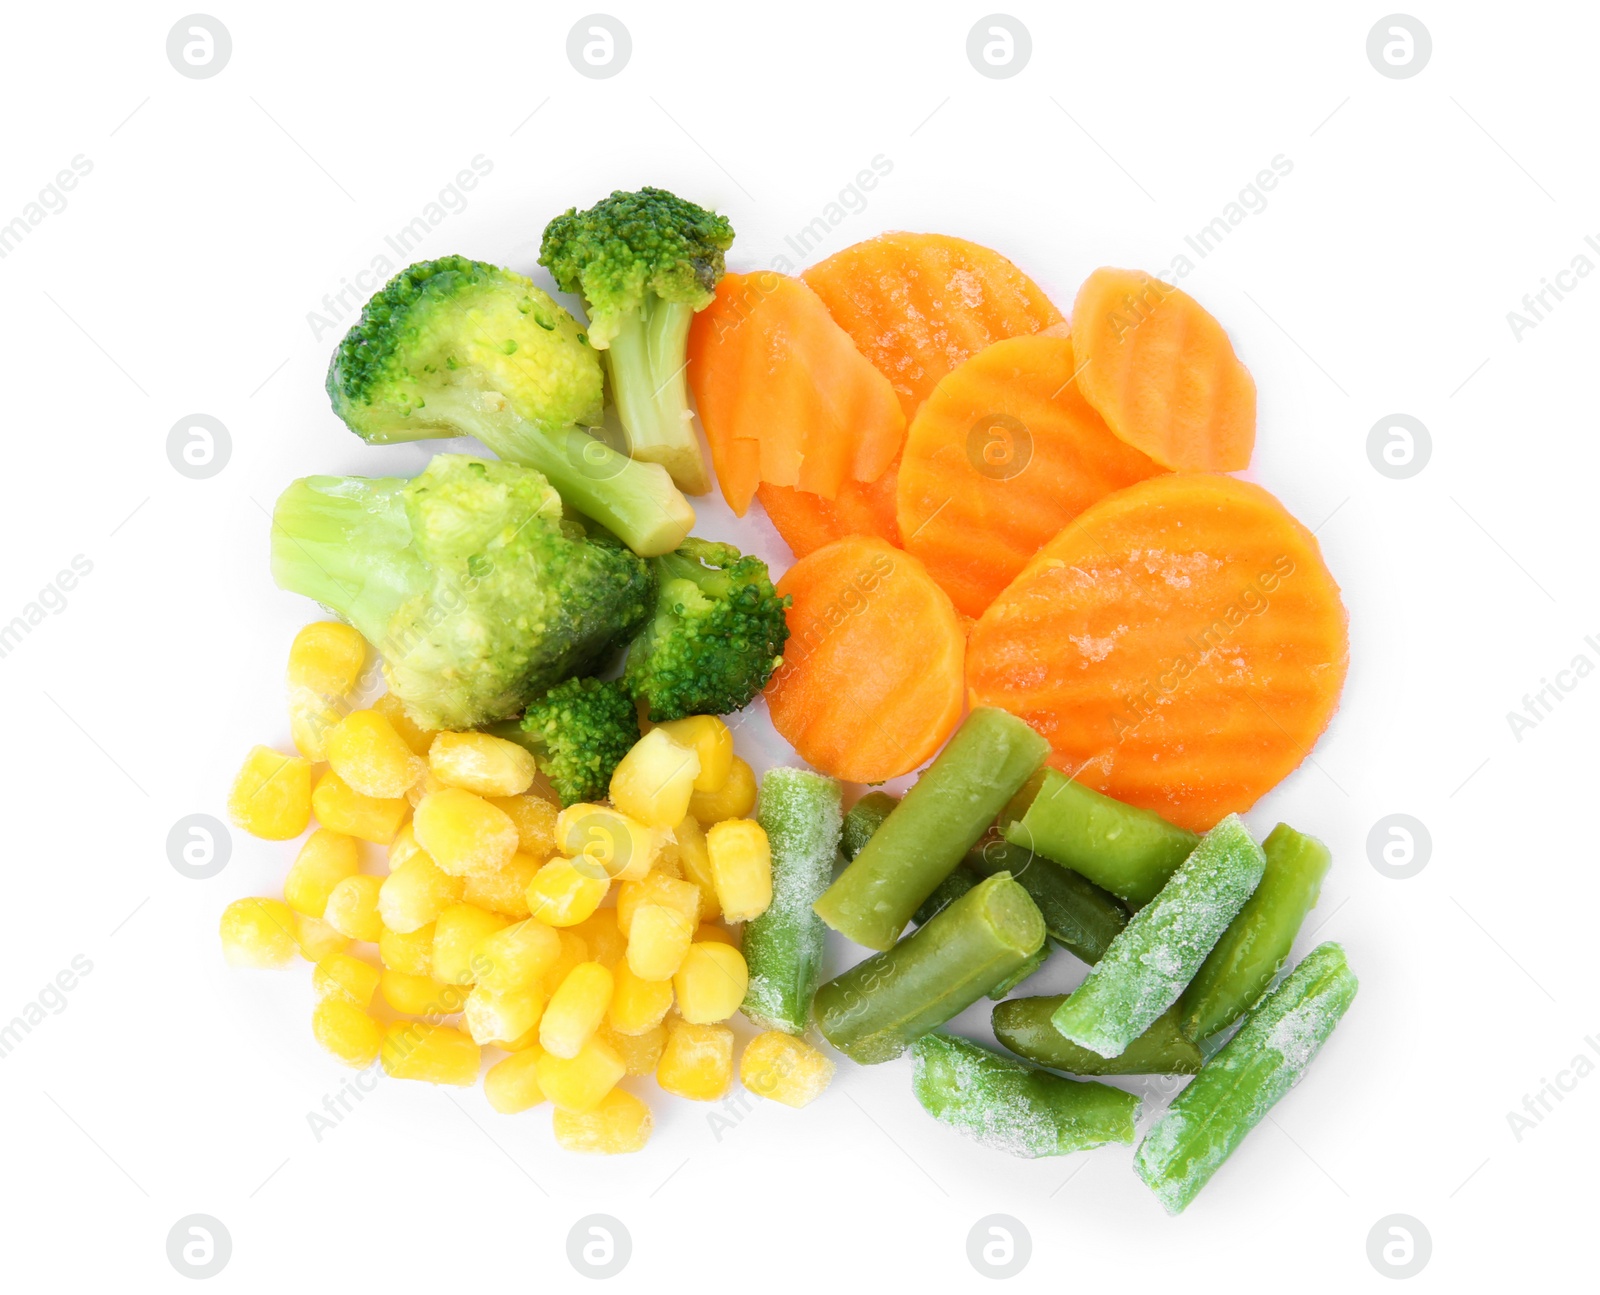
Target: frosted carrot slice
x,y
1162,373
917,305
870,684
1000,457
1181,644
807,521
783,393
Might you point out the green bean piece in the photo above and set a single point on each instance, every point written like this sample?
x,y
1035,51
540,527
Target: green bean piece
x,y
1147,966
1005,1104
1081,918
1023,1026
865,817
1256,945
926,834
799,811
878,1008
952,888
1237,1087
1130,852
1022,973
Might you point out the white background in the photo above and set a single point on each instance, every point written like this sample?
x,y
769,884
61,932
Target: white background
x,y
179,279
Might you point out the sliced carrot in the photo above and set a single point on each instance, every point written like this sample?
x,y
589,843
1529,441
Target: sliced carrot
x,y
1162,373
1181,644
783,393
871,683
919,304
807,521
1000,457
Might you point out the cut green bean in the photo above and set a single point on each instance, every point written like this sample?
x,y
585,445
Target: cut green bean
x,y
1257,943
922,841
783,947
878,1008
1028,968
1081,918
865,817
952,888
1130,852
1009,1106
1147,966
1023,1026
1238,1086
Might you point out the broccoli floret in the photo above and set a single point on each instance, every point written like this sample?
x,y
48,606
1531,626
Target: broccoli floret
x,y
578,732
458,348
716,636
468,580
644,263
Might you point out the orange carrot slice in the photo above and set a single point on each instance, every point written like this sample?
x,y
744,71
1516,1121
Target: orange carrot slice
x,y
807,521
871,683
1000,457
1162,373
1181,644
783,393
917,305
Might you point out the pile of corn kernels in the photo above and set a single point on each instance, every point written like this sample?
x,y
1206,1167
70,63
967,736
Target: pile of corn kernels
x,y
587,944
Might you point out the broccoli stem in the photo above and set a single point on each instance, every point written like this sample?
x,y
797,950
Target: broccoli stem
x,y
647,358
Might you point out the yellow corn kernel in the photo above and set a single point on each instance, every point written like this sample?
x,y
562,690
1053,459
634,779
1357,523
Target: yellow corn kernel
x,y
621,1123
535,821
257,933
346,1031
501,1018
574,949
529,1038
371,757
667,863
419,739
271,797
435,1054
457,933
327,657
517,956
353,908
490,766
512,1084
340,806
404,847
710,983
576,1009
741,867
423,786
339,973
421,995
711,740
415,893
657,888
505,889
579,1083
697,1061
720,934
654,781
311,718
407,951
609,843
464,833
317,939
637,1006
562,894
734,799
325,860
658,939
607,944
695,861
784,1069
640,1053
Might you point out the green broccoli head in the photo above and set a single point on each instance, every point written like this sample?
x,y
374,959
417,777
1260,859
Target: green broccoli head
x,y
468,580
716,636
578,732
631,245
